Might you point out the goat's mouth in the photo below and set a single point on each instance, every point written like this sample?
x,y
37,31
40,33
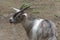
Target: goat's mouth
x,y
11,20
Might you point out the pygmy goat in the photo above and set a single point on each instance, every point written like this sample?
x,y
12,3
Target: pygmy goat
x,y
36,28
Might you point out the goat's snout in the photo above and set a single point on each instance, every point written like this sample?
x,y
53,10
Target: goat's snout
x,y
11,20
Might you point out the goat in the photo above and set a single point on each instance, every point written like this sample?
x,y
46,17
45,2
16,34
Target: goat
x,y
36,28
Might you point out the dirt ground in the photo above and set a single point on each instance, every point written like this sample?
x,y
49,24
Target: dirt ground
x,y
47,9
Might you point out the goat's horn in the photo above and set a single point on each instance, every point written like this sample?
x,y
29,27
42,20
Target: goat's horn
x,y
17,10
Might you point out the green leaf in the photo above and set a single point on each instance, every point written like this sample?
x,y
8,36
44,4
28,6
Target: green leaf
x,y
35,11
24,5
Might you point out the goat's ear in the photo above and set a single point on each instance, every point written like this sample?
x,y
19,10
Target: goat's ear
x,y
17,10
25,14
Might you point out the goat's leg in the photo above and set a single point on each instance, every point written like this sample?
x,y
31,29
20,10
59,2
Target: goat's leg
x,y
32,36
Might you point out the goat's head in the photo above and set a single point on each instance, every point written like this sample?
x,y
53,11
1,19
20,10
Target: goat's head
x,y
19,16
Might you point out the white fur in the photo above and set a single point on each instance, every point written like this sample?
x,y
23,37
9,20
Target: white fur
x,y
36,24
11,18
17,10
25,14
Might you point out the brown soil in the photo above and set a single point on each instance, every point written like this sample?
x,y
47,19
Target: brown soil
x,y
47,9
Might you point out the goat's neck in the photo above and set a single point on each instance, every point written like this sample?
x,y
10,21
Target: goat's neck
x,y
27,24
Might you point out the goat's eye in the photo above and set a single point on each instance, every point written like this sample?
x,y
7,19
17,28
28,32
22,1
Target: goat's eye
x,y
18,16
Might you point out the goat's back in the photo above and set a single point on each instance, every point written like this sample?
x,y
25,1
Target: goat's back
x,y
46,30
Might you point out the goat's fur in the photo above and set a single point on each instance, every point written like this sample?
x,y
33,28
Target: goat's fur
x,y
39,29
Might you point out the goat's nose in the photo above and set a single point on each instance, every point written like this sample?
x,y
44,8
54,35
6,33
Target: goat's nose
x,y
10,21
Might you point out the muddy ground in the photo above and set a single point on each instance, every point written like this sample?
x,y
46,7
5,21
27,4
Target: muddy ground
x,y
47,9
